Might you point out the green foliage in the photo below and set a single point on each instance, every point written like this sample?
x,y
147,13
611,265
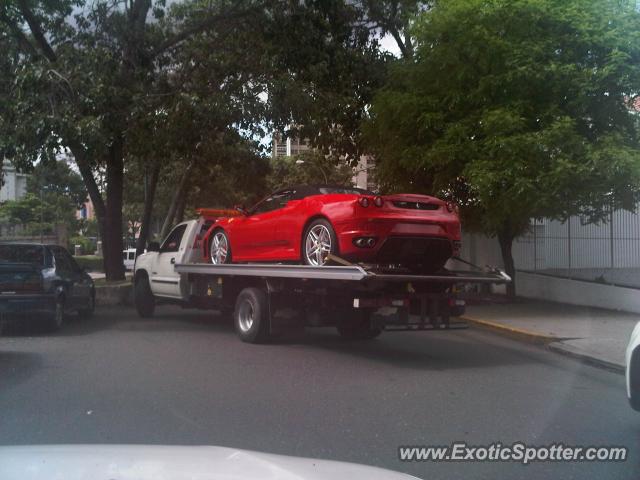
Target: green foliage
x,y
54,193
91,263
57,180
35,215
87,245
515,109
307,168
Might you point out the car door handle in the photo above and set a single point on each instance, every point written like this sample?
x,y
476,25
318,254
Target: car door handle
x,y
173,261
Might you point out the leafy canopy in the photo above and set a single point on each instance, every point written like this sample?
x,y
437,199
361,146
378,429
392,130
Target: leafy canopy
x,y
516,109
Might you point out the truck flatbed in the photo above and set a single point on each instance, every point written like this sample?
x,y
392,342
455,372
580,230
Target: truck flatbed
x,y
345,273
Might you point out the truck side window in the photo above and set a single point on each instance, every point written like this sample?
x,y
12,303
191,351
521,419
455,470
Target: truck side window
x,y
172,242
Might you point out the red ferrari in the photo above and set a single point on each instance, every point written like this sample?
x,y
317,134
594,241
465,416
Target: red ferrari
x,y
307,223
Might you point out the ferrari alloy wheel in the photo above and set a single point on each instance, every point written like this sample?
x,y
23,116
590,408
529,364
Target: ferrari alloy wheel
x,y
319,242
220,251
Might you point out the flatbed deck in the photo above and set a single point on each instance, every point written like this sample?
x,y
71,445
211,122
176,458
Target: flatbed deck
x,y
353,273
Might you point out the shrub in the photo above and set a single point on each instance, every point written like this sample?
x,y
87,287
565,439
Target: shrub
x,y
91,263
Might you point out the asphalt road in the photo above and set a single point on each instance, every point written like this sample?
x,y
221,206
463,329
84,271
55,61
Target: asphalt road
x,y
184,378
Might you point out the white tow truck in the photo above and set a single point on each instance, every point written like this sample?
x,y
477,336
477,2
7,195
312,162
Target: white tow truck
x,y
265,299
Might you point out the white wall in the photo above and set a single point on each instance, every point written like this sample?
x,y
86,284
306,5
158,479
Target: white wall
x,y
575,292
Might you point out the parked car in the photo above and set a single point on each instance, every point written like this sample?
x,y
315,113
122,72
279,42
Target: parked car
x,y
42,281
129,258
307,223
633,368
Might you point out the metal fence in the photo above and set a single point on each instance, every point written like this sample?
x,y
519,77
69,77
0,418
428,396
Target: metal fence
x,y
575,244
608,252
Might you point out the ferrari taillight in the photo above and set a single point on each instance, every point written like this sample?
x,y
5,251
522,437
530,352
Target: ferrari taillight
x,y
378,202
364,202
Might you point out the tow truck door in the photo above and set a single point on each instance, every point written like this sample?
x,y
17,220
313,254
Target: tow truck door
x,y
166,281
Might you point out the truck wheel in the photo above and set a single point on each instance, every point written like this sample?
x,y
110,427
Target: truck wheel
x,y
358,327
143,298
55,319
251,315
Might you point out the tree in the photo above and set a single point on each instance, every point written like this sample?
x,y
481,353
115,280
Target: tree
x,y
394,17
516,110
325,66
307,168
80,73
57,179
54,194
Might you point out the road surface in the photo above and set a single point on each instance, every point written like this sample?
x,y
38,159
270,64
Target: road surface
x,y
183,378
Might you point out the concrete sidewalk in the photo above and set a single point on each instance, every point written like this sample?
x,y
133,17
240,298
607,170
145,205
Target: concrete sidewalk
x,y
594,335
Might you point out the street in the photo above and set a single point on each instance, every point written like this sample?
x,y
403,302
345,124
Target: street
x,y
184,378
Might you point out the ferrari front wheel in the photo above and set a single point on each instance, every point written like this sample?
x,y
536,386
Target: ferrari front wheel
x,y
318,242
219,248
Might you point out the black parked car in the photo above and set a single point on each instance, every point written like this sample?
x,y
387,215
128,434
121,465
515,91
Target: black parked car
x,y
42,281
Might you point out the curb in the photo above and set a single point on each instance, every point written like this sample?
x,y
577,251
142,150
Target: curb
x,y
568,351
513,332
550,342
116,294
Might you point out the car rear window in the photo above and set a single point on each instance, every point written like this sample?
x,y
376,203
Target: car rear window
x,y
22,254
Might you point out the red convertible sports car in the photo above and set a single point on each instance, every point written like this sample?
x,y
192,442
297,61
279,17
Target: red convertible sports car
x,y
307,223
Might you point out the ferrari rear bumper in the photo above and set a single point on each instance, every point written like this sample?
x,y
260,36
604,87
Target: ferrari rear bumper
x,y
421,245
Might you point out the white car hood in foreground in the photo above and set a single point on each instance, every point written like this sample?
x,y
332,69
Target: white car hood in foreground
x,y
141,462
634,342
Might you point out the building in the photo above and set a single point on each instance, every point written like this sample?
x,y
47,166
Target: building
x,y
363,173
14,183
86,212
287,147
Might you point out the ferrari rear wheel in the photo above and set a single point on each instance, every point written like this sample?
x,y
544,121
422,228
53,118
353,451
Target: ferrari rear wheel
x,y
219,249
319,241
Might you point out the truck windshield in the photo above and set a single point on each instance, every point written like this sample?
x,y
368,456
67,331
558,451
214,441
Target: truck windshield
x,y
22,254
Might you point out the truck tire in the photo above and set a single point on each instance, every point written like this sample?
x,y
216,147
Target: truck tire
x,y
357,326
55,319
143,298
251,315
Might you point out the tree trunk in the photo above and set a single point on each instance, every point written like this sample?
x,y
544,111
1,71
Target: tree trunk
x,y
182,204
171,214
506,242
148,209
112,234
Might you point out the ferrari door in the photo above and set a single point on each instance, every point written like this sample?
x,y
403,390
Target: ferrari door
x,y
253,236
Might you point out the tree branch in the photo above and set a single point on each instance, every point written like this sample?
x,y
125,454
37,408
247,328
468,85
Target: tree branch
x,y
206,24
19,35
36,30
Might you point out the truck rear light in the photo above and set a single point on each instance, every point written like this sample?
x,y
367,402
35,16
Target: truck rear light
x,y
378,202
363,201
